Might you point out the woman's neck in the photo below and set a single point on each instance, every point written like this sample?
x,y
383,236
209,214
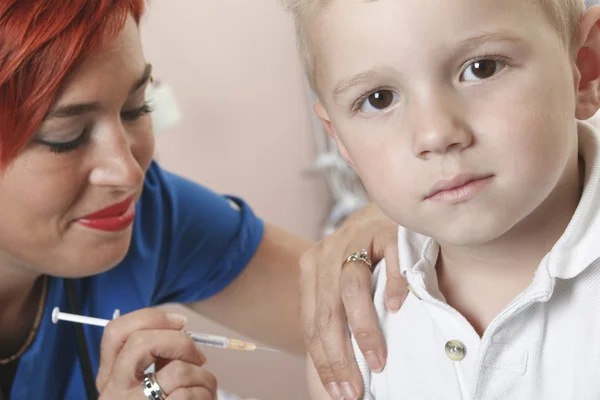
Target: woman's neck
x,y
20,292
479,281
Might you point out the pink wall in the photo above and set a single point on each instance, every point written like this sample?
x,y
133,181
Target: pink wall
x,y
245,130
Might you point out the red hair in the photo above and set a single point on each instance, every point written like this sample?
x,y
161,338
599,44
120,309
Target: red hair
x,y
41,43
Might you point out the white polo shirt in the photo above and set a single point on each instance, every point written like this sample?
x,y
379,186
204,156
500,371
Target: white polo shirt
x,y
545,345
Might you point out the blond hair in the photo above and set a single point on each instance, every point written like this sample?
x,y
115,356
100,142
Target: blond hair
x,y
564,15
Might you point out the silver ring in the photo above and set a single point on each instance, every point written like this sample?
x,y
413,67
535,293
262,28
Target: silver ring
x,y
151,388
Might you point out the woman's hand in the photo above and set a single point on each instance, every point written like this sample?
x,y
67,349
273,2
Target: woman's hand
x,y
332,293
135,341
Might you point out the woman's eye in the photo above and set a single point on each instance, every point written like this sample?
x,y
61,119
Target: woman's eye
x,y
481,69
379,101
65,147
137,113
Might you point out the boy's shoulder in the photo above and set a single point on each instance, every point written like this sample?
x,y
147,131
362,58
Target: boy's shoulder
x,y
414,251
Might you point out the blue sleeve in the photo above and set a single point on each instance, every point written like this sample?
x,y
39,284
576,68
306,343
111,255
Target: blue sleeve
x,y
192,241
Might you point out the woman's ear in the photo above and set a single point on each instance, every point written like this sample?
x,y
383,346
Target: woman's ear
x,y
587,63
321,112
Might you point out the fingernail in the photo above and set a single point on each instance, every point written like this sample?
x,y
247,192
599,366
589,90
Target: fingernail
x,y
179,319
394,304
348,390
373,361
334,391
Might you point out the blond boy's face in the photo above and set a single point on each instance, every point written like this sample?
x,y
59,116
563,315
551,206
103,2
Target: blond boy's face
x,y
424,93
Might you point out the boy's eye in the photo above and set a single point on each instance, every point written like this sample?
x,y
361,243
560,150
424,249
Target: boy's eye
x,y
378,101
481,69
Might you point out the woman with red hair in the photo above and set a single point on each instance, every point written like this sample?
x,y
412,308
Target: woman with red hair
x,y
90,223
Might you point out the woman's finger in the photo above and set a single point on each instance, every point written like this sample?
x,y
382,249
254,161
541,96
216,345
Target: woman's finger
x,y
118,331
179,374
195,393
144,347
396,286
310,333
332,328
362,318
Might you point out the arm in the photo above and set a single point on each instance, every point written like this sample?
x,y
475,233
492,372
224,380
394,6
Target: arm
x,y
263,301
219,259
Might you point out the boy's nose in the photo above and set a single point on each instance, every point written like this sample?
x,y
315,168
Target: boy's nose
x,y
438,128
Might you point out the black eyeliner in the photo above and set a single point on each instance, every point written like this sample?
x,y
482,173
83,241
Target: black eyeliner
x,y
132,115
63,147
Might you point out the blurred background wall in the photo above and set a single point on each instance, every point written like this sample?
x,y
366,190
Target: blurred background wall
x,y
245,130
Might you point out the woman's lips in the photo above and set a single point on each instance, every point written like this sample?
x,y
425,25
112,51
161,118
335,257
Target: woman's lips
x,y
113,218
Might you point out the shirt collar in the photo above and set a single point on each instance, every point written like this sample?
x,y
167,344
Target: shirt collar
x,y
578,247
575,250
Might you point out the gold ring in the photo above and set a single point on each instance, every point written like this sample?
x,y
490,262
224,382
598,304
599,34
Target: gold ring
x,y
361,257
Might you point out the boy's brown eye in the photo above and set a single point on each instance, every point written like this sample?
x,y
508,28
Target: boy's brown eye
x,y
379,100
484,69
481,69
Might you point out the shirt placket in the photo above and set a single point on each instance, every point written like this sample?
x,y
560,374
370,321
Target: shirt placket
x,y
456,338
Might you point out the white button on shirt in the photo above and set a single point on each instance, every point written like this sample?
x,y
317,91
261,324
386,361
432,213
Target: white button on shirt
x,y
545,345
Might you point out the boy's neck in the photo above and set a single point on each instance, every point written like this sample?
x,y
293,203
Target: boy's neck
x,y
479,281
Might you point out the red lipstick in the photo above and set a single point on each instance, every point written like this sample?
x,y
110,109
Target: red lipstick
x,y
113,218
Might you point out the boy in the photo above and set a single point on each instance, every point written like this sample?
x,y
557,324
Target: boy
x,y
461,119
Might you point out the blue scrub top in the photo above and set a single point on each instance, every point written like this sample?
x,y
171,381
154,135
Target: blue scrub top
x,y
188,243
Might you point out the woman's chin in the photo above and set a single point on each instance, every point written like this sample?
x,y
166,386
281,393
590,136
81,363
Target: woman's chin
x,y
89,264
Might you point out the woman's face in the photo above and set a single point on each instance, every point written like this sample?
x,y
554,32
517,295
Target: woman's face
x,y
67,201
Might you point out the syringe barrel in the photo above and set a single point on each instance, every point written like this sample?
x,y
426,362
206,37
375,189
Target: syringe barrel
x,y
209,340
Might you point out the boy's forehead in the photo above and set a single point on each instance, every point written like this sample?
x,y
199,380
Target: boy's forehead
x,y
458,14
353,34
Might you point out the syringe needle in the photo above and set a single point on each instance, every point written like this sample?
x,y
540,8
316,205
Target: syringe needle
x,y
267,349
200,338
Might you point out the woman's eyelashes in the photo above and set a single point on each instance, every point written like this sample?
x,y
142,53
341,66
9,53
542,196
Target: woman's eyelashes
x,y
71,145
64,147
132,115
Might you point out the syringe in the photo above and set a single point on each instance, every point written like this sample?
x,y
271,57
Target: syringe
x,y
200,338
225,342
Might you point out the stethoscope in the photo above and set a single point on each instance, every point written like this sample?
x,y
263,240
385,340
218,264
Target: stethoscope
x,y
82,349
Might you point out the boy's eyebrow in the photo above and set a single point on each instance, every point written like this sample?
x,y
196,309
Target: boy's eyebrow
x,y
347,83
473,42
466,45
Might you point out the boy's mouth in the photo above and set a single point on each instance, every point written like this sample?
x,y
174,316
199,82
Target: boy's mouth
x,y
458,188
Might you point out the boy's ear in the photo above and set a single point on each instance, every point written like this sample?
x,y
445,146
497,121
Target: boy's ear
x,y
588,65
321,112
